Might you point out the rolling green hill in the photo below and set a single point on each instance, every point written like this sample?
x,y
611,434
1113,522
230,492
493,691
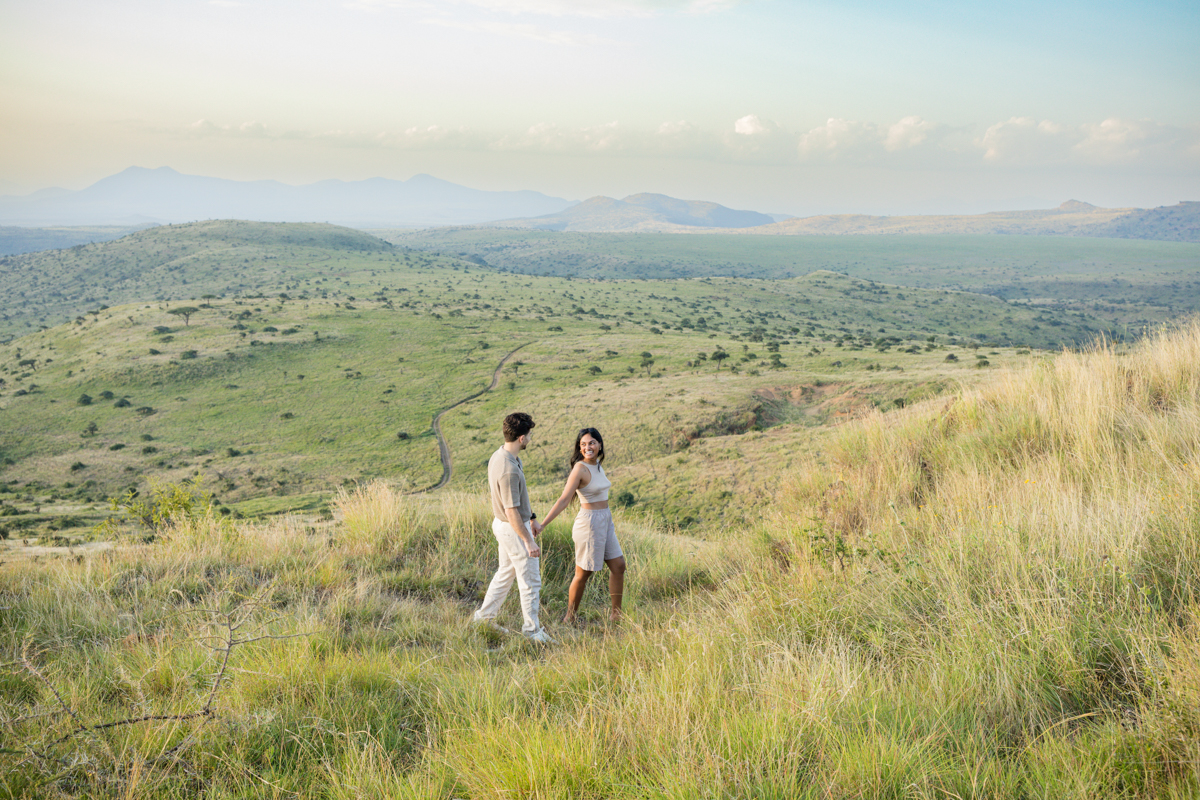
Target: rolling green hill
x,y
171,262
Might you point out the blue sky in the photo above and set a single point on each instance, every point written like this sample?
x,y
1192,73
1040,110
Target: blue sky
x,y
795,107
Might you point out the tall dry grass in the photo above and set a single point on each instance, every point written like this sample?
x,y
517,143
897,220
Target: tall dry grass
x,y
988,596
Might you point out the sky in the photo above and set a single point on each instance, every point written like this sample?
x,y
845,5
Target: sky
x,y
782,107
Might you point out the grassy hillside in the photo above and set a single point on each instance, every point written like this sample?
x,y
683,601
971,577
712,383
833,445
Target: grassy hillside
x,y
1116,284
173,262
989,594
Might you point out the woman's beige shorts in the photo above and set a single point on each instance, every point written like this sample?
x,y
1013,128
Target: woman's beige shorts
x,y
595,539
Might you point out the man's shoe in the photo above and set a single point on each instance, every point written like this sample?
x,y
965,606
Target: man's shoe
x,y
540,636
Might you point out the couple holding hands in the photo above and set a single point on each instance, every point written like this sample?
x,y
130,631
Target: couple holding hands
x,y
516,528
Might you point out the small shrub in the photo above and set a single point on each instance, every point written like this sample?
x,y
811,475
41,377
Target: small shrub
x,y
287,415
154,352
144,411
78,465
168,503
189,354
122,403
107,395
117,446
84,400
149,449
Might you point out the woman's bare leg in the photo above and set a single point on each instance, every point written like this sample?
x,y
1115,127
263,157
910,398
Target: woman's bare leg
x,y
616,585
575,593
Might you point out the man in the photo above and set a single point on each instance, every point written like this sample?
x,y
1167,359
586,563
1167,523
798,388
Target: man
x,y
515,529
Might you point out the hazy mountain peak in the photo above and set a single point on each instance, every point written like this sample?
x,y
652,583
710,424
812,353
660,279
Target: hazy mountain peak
x,y
1077,205
643,212
164,195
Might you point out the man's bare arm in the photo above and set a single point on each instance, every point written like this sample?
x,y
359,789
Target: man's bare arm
x,y
518,525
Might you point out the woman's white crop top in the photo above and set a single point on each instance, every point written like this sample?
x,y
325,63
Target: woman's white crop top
x,y
597,489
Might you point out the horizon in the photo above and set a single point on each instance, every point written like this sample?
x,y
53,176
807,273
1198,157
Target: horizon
x,y
799,109
571,201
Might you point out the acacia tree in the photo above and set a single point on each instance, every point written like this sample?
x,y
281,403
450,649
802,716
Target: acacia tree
x,y
185,312
719,356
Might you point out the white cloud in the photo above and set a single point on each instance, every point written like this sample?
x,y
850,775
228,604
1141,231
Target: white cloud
x,y
1026,141
749,125
840,137
247,130
1116,139
908,132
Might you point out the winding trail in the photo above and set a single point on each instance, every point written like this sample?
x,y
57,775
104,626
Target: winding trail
x,y
443,445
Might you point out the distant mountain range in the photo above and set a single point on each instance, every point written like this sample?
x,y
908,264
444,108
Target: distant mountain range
x,y
137,196
1180,223
642,212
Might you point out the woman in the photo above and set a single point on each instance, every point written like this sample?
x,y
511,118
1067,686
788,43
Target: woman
x,y
593,532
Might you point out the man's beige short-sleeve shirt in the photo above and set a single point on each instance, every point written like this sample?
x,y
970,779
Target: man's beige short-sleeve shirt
x,y
506,480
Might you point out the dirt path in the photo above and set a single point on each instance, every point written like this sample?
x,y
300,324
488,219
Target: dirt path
x,y
443,445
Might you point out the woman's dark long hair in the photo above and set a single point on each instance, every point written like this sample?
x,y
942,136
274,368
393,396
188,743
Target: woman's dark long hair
x,y
577,456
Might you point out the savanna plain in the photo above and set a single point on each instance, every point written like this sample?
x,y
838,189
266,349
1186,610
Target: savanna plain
x,y
905,517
